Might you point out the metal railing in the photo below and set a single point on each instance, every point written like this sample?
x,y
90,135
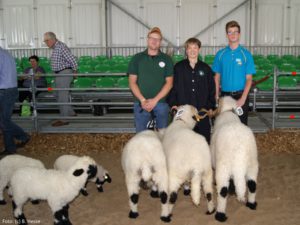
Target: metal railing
x,y
126,51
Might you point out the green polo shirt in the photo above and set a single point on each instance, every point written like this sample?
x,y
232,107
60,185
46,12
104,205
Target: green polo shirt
x,y
151,72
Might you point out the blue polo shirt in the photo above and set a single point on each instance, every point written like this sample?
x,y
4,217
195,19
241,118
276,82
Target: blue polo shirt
x,y
233,66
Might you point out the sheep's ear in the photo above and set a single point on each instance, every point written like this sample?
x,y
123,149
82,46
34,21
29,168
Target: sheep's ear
x,y
78,172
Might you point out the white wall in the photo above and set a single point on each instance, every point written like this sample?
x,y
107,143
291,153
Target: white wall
x,y
81,23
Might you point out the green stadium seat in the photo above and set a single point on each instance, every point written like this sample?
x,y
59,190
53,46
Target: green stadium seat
x,y
288,57
85,69
209,59
123,82
100,58
19,69
102,68
286,67
273,57
267,85
105,82
287,82
83,82
269,68
177,58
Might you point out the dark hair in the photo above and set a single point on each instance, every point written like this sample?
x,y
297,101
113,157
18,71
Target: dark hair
x,y
232,24
192,41
34,57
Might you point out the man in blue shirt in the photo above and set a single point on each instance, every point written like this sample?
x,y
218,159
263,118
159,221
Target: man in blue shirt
x,y
8,97
234,67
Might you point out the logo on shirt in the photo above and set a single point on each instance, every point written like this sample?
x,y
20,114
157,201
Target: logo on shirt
x,y
239,61
201,73
161,64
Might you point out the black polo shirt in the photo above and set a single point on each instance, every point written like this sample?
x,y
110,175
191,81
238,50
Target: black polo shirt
x,y
193,86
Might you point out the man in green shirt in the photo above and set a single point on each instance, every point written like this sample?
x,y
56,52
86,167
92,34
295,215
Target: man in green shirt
x,y
150,80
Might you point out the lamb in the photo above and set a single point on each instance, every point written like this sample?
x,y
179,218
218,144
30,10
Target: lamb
x,y
64,162
234,156
11,163
188,157
143,160
59,188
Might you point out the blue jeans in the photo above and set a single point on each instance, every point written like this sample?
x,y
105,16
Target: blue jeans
x,y
142,117
9,129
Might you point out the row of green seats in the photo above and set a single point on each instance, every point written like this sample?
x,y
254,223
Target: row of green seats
x,y
103,68
101,82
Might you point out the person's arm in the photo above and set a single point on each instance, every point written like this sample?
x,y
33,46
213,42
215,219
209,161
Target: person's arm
x,y
151,103
172,97
136,90
212,91
69,58
247,88
217,83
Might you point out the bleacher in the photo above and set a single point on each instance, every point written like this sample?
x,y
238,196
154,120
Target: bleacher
x,y
103,81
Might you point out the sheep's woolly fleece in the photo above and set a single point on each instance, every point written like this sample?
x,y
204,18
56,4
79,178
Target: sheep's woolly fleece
x,y
278,141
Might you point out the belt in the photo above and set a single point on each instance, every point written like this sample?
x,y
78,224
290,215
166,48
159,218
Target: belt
x,y
68,68
231,93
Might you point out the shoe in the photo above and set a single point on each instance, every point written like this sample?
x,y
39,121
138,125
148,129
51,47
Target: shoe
x,y
23,143
59,123
5,153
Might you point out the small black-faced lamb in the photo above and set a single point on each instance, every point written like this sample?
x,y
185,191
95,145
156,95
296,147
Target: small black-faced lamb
x,y
59,188
188,157
10,164
143,159
234,156
64,162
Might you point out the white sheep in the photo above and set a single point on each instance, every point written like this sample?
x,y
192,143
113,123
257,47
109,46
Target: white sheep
x,y
11,163
234,156
64,162
188,157
143,160
59,188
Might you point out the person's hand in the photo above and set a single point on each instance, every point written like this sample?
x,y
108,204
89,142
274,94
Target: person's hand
x,y
150,104
143,104
240,102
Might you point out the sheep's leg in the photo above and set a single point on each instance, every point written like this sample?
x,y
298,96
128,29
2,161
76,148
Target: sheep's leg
x,y
240,185
61,216
154,191
18,213
186,189
99,185
161,180
3,184
196,188
132,183
222,180
208,190
174,184
83,190
251,183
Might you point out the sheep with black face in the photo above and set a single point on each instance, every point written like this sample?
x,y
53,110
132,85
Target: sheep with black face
x,y
64,162
59,188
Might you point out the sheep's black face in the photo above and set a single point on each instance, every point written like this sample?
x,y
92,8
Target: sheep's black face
x,y
92,171
107,178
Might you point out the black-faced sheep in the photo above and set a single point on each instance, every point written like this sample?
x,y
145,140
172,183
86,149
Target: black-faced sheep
x,y
64,162
234,156
143,159
59,188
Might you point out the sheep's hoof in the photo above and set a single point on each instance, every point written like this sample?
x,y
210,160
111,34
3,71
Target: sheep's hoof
x,y
2,202
251,205
209,213
187,192
35,202
166,219
133,215
154,194
100,189
220,217
84,192
21,219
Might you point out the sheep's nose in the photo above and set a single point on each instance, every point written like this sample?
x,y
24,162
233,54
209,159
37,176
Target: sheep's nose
x,y
107,178
92,171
